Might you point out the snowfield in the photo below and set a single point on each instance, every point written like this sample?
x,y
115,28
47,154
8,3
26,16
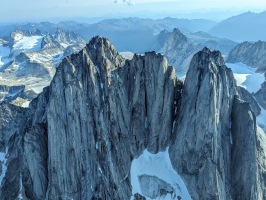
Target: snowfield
x,y
4,52
27,44
160,166
248,78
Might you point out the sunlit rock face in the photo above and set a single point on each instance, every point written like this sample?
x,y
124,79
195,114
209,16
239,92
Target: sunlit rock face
x,y
111,128
252,54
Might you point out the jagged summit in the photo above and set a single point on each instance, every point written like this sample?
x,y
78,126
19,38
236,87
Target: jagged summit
x,y
207,56
177,48
102,47
110,128
251,54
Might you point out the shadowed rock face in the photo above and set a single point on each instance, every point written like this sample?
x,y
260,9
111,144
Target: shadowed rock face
x,y
113,110
261,95
201,149
78,138
245,174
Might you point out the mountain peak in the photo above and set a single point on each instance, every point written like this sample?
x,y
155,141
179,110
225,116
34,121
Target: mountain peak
x,y
101,47
207,56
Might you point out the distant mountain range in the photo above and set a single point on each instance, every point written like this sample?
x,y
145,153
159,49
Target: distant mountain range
x,y
180,47
33,50
251,54
128,34
121,32
244,27
28,59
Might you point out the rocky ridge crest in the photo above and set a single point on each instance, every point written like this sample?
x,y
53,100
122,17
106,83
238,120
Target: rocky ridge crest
x,y
78,138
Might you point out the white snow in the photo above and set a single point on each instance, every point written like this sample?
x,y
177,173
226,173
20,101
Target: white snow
x,y
25,104
27,44
261,119
97,69
249,79
20,188
64,45
127,55
158,165
100,169
4,167
4,53
246,76
181,75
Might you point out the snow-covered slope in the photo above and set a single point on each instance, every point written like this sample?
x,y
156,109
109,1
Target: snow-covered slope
x,y
26,43
30,58
4,52
248,78
153,173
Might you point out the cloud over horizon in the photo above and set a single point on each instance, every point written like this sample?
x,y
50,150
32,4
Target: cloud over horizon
x,y
41,10
128,2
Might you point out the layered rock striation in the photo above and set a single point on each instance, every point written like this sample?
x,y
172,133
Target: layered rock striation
x,y
78,138
251,54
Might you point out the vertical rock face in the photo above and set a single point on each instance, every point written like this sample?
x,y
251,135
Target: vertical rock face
x,y
261,155
35,148
247,97
10,150
177,48
244,166
78,138
201,149
251,54
261,95
112,110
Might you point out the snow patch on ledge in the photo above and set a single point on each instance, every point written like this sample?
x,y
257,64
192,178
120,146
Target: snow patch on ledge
x,y
3,161
160,166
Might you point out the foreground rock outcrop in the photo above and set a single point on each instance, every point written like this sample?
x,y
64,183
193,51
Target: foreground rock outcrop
x,y
78,138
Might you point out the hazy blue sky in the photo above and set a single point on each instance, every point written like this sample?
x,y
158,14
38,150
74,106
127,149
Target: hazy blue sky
x,y
36,10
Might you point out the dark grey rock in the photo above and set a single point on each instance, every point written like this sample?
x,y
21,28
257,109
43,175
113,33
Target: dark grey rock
x,y
200,152
260,96
244,159
247,97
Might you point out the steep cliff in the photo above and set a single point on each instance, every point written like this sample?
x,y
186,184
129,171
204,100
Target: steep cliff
x,y
177,48
110,128
214,129
251,54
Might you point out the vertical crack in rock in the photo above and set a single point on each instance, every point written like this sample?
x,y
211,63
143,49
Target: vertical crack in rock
x,y
78,138
201,150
